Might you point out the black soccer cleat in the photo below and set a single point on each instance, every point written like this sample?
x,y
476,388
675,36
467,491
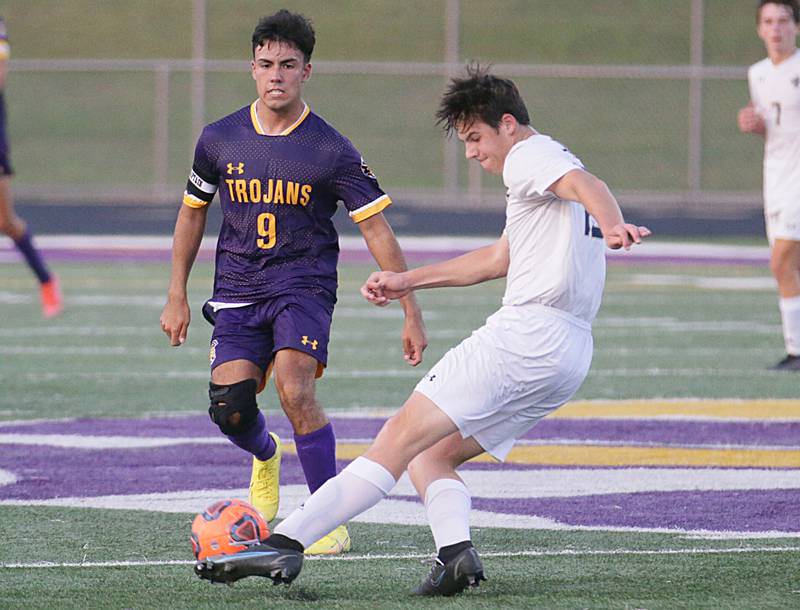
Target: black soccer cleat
x,y
464,570
790,363
279,565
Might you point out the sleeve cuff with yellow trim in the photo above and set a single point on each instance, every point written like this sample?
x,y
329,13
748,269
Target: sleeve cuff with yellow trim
x,y
192,201
372,208
5,50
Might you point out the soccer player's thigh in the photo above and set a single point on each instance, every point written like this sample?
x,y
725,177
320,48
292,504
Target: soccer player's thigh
x,y
783,230
541,384
241,347
509,374
301,331
467,384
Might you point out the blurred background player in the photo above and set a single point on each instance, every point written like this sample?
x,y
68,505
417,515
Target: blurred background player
x,y
529,358
11,224
279,170
774,113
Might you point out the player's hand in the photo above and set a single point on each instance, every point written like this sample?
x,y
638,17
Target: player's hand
x,y
415,340
175,318
750,121
625,235
384,286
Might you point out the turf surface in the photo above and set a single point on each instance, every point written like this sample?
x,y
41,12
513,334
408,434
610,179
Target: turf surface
x,y
666,331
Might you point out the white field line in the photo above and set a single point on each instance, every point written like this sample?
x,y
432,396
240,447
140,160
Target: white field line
x,y
139,442
392,374
419,556
125,350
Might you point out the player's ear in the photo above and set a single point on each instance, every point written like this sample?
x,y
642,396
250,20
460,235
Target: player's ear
x,y
509,123
306,71
253,69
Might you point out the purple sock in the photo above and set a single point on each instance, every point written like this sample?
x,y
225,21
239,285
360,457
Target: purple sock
x,y
33,258
317,454
256,440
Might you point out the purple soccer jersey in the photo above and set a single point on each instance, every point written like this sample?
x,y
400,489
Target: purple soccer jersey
x,y
278,195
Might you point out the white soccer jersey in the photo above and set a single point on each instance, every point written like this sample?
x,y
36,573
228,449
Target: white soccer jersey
x,y
557,253
775,92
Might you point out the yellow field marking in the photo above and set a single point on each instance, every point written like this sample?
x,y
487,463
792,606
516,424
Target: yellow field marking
x,y
579,455
788,409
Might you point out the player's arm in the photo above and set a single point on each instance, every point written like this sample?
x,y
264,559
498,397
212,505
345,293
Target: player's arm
x,y
189,229
5,53
384,248
750,121
3,72
474,267
591,192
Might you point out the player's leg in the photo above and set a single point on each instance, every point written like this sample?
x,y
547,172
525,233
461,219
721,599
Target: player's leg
x,y
785,267
361,485
302,329
240,352
295,374
14,227
447,505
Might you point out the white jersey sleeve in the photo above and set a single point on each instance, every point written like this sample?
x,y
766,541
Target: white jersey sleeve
x,y
557,256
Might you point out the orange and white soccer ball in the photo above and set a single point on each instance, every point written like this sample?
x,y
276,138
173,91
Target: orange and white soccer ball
x,y
226,527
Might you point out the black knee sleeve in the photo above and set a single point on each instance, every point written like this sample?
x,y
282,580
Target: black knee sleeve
x,y
227,401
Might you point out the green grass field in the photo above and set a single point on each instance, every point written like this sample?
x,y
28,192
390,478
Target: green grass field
x,y
658,336
665,333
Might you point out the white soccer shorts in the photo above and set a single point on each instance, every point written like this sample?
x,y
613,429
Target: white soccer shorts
x,y
524,363
783,223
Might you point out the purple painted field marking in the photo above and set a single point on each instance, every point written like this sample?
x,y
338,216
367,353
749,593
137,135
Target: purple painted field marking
x,y
53,472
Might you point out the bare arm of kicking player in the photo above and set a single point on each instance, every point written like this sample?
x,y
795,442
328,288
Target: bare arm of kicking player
x,y
384,248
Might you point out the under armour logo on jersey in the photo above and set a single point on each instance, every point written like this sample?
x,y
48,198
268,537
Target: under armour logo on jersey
x,y
796,81
238,168
312,343
432,377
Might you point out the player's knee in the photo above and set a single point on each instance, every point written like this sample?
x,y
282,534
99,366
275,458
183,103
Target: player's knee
x,y
295,395
233,407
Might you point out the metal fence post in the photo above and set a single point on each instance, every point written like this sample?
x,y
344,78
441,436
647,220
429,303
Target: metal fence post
x,y
695,153
161,77
452,28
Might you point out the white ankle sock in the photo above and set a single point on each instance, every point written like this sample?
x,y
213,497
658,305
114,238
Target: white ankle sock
x,y
790,316
361,485
447,503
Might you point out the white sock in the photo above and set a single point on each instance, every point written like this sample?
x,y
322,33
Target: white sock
x,y
790,315
361,485
448,503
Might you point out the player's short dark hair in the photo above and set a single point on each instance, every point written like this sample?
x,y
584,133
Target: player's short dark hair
x,y
285,26
480,96
792,4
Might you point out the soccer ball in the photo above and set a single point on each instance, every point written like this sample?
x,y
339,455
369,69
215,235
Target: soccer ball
x,y
226,527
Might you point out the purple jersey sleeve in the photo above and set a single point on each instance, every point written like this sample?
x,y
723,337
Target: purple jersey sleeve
x,y
356,185
203,180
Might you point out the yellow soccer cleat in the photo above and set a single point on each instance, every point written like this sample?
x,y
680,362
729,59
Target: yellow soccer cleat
x,y
265,483
338,541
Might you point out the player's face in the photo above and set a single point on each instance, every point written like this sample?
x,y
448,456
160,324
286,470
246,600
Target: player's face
x,y
279,71
777,29
486,145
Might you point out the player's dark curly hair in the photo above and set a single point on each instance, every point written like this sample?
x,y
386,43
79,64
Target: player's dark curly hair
x,y
480,96
285,26
792,4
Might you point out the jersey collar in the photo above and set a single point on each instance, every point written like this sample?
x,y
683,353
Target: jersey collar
x,y
260,130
